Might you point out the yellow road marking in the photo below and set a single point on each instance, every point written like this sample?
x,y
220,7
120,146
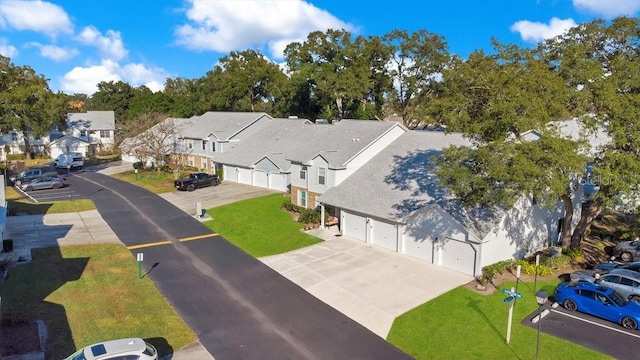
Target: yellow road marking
x,y
198,237
133,247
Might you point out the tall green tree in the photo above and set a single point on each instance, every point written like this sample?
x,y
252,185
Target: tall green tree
x,y
245,81
494,100
26,102
330,73
416,61
112,96
187,95
599,61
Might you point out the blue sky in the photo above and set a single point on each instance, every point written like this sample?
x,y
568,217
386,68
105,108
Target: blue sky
x,y
77,44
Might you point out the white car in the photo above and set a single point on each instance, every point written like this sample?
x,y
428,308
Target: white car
x,y
122,349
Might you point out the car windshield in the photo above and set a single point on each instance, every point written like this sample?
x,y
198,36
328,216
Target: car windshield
x,y
618,299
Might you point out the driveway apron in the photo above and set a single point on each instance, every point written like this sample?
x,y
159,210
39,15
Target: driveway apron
x,y
238,307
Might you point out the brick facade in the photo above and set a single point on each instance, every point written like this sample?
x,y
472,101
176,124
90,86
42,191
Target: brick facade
x,y
311,196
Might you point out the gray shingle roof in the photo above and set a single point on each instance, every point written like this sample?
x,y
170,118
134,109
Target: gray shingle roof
x,y
274,140
221,124
92,120
286,140
400,180
339,142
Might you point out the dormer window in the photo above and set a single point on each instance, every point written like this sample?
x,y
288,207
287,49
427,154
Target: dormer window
x,y
83,133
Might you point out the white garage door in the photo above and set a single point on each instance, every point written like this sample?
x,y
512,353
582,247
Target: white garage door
x,y
384,234
354,226
418,243
277,182
260,179
244,176
458,255
230,174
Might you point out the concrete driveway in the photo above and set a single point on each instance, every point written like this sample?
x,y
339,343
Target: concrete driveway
x,y
369,284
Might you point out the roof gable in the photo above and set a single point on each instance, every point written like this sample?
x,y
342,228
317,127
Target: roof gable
x,y
92,120
403,181
222,125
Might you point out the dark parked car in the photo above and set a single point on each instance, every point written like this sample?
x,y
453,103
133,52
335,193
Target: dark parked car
x,y
44,182
600,301
29,174
196,180
627,250
626,282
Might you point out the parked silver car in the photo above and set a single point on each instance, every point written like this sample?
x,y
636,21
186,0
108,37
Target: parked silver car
x,y
44,182
626,282
134,348
627,250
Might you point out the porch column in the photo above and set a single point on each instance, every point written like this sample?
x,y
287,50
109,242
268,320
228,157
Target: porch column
x,y
321,216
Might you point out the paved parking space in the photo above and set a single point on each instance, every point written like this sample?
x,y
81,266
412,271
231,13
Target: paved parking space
x,y
65,193
369,284
588,331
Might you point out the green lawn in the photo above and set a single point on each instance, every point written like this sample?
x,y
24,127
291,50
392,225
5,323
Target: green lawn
x,y
154,181
87,294
259,226
463,324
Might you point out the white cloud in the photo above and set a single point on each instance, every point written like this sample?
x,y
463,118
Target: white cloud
x,y
39,16
7,50
536,31
225,26
85,79
609,8
110,45
53,52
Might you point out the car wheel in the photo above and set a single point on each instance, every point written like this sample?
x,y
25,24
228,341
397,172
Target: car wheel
x,y
634,298
28,188
191,187
629,323
570,305
55,186
18,182
626,256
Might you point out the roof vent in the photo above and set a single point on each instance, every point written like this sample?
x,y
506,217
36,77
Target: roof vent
x,y
355,139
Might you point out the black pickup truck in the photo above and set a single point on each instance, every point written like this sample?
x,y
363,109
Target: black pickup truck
x,y
196,180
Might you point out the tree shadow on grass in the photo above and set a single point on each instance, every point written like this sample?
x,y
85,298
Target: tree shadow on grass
x,y
475,305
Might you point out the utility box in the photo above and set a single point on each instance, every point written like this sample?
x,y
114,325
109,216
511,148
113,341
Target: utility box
x,y
7,245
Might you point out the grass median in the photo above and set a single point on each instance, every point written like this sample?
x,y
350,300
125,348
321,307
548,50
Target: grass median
x,y
90,293
157,182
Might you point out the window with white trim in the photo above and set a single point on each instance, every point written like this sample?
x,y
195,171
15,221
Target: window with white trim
x,y
322,176
105,134
204,145
213,146
303,172
302,198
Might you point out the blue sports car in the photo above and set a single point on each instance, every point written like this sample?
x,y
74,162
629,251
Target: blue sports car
x,y
599,301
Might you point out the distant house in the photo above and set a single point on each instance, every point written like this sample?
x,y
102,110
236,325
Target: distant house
x,y
87,133
97,128
394,201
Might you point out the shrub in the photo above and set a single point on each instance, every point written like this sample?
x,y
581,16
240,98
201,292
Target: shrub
x,y
572,253
138,165
309,216
16,157
490,271
556,262
530,268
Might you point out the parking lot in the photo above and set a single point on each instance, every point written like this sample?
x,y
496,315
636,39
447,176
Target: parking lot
x,y
64,193
588,331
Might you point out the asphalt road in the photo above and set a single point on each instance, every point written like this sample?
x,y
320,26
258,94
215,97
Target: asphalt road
x,y
591,332
238,307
